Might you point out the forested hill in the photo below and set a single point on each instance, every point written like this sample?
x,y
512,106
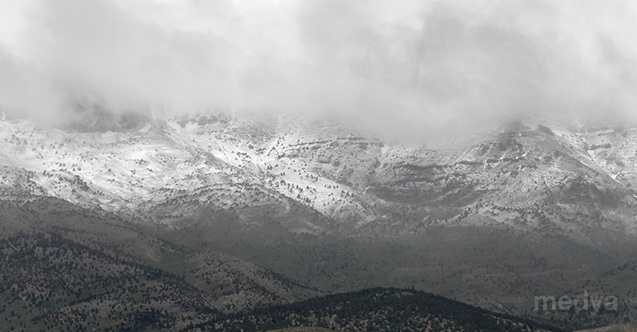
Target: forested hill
x,y
376,309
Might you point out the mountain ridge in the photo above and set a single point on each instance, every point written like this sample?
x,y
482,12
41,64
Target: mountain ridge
x,y
232,153
315,201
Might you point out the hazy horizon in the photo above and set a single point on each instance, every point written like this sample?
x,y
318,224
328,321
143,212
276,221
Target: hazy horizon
x,y
411,69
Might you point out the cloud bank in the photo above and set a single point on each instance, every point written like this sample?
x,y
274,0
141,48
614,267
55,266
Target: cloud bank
x,y
403,69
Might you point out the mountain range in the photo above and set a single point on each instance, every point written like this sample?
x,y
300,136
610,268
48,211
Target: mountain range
x,y
253,210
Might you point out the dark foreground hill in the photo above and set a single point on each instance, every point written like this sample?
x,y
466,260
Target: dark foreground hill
x,y
64,268
377,309
614,328
69,269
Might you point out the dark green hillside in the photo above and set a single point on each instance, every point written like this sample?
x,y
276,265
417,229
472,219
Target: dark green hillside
x,y
303,329
63,267
51,283
377,309
614,328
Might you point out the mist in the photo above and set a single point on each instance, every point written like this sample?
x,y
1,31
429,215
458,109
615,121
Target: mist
x,y
423,70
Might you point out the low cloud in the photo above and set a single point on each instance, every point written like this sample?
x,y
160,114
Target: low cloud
x,y
424,70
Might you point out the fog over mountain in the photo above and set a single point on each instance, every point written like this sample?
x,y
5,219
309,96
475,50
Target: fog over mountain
x,y
230,165
424,70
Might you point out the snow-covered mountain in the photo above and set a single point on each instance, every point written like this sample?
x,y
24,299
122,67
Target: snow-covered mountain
x,y
486,219
522,175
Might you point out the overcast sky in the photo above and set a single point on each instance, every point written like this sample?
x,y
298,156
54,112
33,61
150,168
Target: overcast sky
x,y
403,68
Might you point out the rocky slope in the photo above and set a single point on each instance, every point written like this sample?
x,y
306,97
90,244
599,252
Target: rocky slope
x,y
485,219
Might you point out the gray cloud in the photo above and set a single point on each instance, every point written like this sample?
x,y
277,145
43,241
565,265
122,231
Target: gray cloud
x,y
408,69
